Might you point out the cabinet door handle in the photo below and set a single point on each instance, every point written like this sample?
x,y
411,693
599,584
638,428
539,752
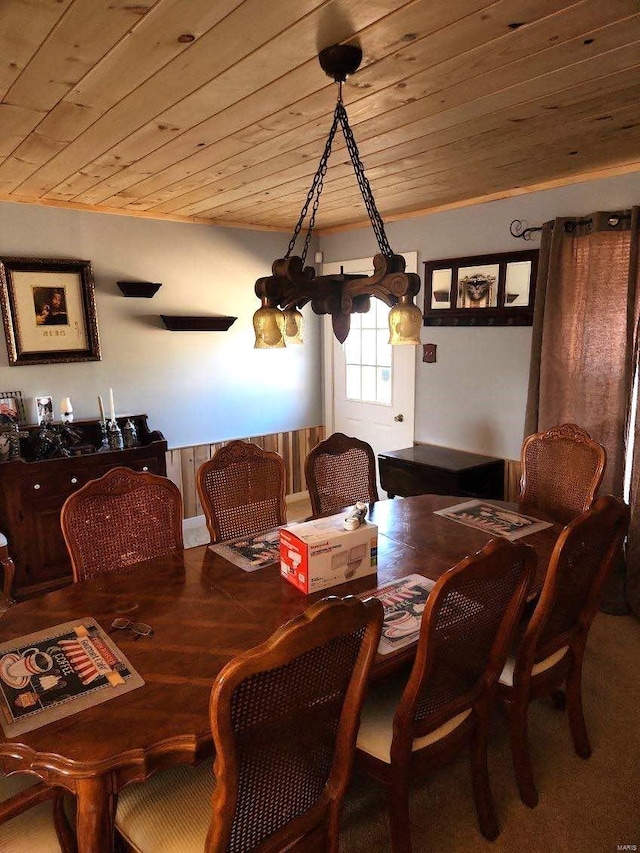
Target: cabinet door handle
x,y
145,468
36,485
74,479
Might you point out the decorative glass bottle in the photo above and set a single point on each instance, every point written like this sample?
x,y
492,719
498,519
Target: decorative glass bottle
x,y
115,436
130,434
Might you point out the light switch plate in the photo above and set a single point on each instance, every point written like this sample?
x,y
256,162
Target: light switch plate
x,y
429,353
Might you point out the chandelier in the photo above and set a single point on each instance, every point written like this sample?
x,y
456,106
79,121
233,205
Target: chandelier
x,y
292,284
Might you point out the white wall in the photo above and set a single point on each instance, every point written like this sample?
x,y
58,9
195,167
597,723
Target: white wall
x,y
196,387
474,396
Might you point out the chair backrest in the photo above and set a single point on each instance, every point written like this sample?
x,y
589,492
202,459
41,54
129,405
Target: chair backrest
x,y
284,718
340,471
466,629
119,519
582,558
242,490
561,471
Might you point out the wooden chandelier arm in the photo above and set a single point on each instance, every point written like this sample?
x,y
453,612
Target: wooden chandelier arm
x,y
292,286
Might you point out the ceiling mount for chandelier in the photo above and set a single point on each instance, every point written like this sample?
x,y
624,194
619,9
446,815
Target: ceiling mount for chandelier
x,y
292,284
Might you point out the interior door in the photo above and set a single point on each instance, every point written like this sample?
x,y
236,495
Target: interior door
x,y
370,387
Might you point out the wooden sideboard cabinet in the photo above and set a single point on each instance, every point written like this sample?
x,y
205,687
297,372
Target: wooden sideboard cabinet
x,y
32,494
428,469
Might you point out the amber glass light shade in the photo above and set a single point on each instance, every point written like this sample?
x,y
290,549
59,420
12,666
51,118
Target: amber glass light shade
x,y
293,324
268,323
405,322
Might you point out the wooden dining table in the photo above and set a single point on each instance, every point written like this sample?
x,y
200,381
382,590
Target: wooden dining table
x,y
204,610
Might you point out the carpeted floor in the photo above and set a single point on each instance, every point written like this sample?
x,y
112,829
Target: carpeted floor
x,y
585,806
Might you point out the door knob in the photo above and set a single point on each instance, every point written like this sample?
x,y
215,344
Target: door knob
x,y
399,418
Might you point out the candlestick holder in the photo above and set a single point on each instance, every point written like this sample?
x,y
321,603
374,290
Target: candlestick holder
x,y
104,438
66,411
115,436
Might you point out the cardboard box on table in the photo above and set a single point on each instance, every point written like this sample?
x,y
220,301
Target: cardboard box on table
x,y
317,554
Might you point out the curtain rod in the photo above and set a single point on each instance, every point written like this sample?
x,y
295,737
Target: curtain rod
x,y
519,228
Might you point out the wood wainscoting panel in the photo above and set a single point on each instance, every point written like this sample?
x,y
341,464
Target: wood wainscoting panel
x,y
294,446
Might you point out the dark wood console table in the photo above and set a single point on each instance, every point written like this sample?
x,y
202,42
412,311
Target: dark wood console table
x,y
32,494
428,469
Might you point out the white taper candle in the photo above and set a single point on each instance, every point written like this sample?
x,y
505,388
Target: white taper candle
x,y
113,411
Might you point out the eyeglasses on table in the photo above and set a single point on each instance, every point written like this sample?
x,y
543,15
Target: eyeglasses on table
x,y
138,629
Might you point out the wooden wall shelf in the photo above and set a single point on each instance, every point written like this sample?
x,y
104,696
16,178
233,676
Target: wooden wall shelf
x,y
139,289
197,324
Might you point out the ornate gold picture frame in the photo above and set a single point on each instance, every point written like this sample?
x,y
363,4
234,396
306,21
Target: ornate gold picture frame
x,y
48,310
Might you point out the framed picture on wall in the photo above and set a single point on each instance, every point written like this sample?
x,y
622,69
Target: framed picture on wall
x,y
483,290
48,310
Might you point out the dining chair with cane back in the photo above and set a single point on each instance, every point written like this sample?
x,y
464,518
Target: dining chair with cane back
x,y
122,518
284,718
550,653
242,490
411,726
562,469
340,471
32,817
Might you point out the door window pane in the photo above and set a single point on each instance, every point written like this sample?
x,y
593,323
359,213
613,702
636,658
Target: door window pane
x,y
383,387
369,384
369,347
368,320
353,382
383,354
353,347
368,356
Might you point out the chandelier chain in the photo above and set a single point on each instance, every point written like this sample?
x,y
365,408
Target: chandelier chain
x,y
312,218
363,182
314,190
313,196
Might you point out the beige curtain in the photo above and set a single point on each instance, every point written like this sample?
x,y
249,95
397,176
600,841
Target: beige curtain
x,y
583,349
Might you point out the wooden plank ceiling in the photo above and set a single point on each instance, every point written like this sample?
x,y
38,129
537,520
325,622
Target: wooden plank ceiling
x,y
218,111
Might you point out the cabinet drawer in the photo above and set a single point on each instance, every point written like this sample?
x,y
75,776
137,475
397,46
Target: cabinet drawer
x,y
41,486
150,464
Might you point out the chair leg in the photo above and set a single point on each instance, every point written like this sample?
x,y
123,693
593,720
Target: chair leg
x,y
520,753
398,802
575,713
65,834
481,787
332,834
8,573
